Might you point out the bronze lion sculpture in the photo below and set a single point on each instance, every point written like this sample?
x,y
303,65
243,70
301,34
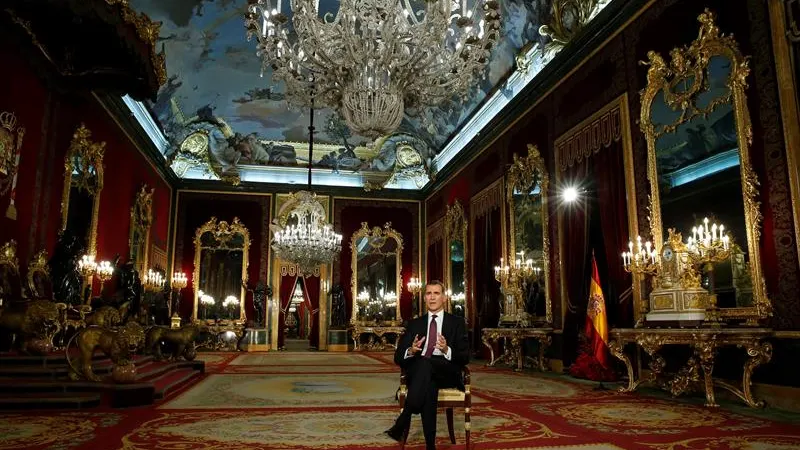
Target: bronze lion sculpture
x,y
37,320
180,340
119,344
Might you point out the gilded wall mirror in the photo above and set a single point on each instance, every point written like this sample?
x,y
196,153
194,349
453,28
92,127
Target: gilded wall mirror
x,y
527,184
455,224
139,238
220,271
376,283
695,119
83,182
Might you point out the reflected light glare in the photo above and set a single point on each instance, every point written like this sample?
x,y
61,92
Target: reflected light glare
x,y
570,194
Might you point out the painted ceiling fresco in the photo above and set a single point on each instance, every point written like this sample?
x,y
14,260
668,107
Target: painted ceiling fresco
x,y
216,97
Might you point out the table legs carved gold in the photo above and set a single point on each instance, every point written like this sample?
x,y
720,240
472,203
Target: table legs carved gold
x,y
759,353
513,353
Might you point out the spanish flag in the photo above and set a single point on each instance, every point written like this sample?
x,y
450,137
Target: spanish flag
x,y
593,361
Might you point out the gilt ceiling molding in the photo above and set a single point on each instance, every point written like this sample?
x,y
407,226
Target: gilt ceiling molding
x,y
584,141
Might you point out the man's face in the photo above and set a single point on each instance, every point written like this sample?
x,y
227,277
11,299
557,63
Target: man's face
x,y
434,298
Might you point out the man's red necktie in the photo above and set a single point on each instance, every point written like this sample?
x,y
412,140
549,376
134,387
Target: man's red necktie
x,y
433,336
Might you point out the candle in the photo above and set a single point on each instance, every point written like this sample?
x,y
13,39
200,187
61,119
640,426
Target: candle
x,y
714,232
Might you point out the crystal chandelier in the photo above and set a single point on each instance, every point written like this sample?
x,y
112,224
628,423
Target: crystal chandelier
x,y
309,242
374,58
306,240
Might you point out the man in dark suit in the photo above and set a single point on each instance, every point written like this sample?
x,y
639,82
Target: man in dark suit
x,y
433,350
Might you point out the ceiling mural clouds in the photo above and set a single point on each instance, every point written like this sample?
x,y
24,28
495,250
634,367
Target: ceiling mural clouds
x,y
232,116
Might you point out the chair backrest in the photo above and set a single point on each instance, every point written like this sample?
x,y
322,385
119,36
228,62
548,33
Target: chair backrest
x,y
40,285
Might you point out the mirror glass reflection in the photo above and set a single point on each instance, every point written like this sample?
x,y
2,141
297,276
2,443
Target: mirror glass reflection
x,y
529,244
221,272
376,272
457,286
699,175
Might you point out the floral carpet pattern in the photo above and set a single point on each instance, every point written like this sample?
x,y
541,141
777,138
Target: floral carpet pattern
x,y
281,401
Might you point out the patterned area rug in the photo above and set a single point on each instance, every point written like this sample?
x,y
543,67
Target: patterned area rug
x,y
330,410
305,359
302,391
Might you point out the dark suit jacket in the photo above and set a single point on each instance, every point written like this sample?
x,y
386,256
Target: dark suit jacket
x,y
454,330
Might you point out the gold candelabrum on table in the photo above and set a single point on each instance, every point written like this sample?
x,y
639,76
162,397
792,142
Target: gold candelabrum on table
x,y
414,286
709,246
179,281
512,280
677,293
87,267
104,272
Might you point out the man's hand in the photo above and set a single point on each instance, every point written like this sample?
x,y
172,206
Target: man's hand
x,y
416,346
441,344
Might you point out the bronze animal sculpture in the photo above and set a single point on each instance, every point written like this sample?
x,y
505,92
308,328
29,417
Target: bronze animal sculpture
x,y
180,340
118,343
36,320
105,316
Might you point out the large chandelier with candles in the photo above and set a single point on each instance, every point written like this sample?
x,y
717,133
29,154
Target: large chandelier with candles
x,y
374,58
307,240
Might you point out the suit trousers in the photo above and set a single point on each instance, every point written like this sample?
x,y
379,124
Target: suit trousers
x,y
425,377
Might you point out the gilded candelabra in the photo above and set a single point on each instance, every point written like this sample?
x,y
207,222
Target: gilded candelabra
x,y
104,272
640,259
512,278
179,281
707,247
87,267
414,286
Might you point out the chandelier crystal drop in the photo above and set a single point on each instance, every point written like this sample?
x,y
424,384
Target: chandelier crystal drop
x,y
307,240
372,59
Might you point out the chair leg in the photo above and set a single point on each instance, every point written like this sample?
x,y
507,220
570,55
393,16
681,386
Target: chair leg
x,y
466,427
449,412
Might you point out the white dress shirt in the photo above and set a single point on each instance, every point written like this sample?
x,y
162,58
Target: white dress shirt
x,y
439,321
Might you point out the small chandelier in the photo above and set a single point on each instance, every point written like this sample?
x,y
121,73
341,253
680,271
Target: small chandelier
x,y
309,242
374,58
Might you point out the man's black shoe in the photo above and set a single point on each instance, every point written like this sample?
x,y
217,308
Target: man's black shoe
x,y
395,433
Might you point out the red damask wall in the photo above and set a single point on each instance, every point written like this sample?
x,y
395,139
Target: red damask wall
x,y
404,217
196,208
615,70
50,118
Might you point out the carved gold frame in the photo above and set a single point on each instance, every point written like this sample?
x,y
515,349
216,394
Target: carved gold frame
x,y
455,227
37,265
611,122
692,61
365,231
520,176
141,220
223,229
92,153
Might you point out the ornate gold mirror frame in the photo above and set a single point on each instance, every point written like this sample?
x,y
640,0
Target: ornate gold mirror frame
x,y
455,231
680,84
521,180
223,233
380,235
83,156
141,220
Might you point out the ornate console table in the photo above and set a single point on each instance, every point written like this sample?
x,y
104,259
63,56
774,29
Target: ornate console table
x,y
379,332
514,340
704,342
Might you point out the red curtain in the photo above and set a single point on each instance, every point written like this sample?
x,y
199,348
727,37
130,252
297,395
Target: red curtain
x,y
288,283
608,167
576,216
435,271
487,248
311,292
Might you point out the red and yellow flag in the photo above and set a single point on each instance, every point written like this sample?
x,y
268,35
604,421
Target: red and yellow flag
x,y
596,327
